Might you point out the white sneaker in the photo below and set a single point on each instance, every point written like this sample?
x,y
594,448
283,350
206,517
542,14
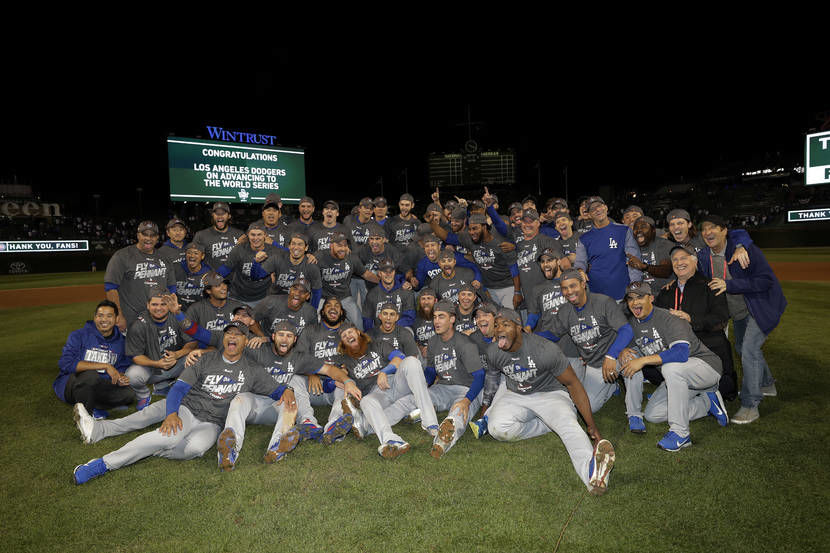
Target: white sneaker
x,y
350,407
746,415
84,422
769,391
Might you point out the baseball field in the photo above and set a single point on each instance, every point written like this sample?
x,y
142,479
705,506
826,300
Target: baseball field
x,y
759,487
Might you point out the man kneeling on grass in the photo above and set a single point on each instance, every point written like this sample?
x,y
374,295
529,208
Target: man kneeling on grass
x,y
542,391
194,411
690,370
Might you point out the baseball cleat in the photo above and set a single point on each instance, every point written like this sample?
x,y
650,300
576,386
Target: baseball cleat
x,y
84,422
769,391
432,429
414,416
717,409
284,445
602,462
310,431
91,469
393,449
338,429
358,424
226,448
142,403
746,415
99,414
479,427
443,439
673,442
636,425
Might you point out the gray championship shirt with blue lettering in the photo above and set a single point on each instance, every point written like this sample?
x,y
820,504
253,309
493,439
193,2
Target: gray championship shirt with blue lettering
x,y
593,328
217,245
134,273
147,337
661,330
532,368
215,382
454,360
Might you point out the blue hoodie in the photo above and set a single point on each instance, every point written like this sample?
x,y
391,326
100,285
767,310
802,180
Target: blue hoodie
x,y
87,344
758,284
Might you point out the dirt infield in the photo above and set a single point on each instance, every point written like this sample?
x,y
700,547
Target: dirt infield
x,y
58,295
74,294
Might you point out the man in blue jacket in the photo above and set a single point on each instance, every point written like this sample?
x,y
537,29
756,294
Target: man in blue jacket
x,y
756,303
92,365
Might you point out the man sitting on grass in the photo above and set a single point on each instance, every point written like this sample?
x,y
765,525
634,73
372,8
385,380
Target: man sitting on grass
x,y
193,413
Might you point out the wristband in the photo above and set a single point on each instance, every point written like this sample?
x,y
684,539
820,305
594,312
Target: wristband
x,y
518,293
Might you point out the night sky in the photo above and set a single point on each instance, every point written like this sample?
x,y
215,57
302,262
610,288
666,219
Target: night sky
x,y
94,120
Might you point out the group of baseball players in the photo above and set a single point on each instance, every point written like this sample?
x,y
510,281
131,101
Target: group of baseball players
x,y
516,325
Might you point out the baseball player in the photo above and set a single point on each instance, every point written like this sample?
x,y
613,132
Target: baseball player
x,y
132,271
543,394
321,340
294,264
192,415
92,365
423,327
392,288
599,331
173,250
377,250
389,337
158,344
449,281
189,273
654,259
320,232
465,310
602,253
249,282
456,375
690,370
427,267
337,267
306,210
528,247
218,240
380,210
215,310
568,239
545,302
293,308
277,230
400,229
284,363
492,253
382,382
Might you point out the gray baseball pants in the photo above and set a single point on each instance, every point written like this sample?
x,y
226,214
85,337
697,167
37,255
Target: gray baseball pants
x,y
141,377
681,397
193,440
515,417
599,391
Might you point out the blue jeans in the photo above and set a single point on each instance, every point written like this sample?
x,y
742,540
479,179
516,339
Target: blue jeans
x,y
748,342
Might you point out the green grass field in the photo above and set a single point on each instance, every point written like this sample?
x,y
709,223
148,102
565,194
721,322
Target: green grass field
x,y
761,487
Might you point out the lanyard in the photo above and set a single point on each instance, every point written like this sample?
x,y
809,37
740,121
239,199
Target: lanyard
x,y
712,267
677,303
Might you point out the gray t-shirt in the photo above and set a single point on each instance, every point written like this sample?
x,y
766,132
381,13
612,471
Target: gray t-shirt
x,y
217,245
211,318
465,323
358,232
283,367
399,339
654,254
286,272
364,370
401,231
530,275
147,337
215,382
569,244
661,330
493,263
337,273
280,234
404,300
532,368
274,309
241,259
319,236
448,288
454,361
172,254
423,330
321,341
593,328
189,286
546,300
134,273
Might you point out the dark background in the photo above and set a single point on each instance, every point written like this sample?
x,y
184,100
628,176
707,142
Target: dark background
x,y
92,117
